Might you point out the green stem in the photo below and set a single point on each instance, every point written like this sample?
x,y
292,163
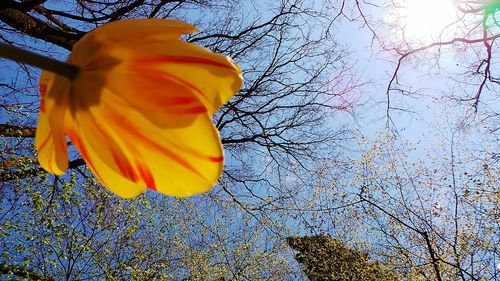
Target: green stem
x,y
67,70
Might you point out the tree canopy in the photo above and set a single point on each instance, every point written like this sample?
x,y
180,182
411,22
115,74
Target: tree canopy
x,y
327,259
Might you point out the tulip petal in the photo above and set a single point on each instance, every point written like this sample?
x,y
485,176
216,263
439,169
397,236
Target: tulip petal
x,y
126,34
50,140
211,77
158,96
113,181
180,158
123,31
178,162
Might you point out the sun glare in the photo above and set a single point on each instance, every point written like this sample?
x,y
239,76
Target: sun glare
x,y
424,20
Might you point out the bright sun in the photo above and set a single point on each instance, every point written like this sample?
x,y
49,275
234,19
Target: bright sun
x,y
424,20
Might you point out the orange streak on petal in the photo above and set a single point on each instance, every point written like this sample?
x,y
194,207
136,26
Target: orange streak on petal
x,y
193,110
173,156
50,162
43,92
162,77
62,142
182,100
83,151
75,139
183,59
120,121
167,152
121,162
43,89
44,143
125,125
147,177
216,159
185,84
125,168
42,105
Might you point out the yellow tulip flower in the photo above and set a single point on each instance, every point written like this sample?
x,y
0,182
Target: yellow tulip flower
x,y
138,109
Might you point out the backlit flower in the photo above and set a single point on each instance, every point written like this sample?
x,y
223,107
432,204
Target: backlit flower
x,y
139,111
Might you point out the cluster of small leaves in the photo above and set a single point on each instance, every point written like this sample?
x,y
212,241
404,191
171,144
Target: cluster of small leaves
x,y
327,259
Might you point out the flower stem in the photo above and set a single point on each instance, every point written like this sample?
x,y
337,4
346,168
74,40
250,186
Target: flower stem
x,y
67,70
